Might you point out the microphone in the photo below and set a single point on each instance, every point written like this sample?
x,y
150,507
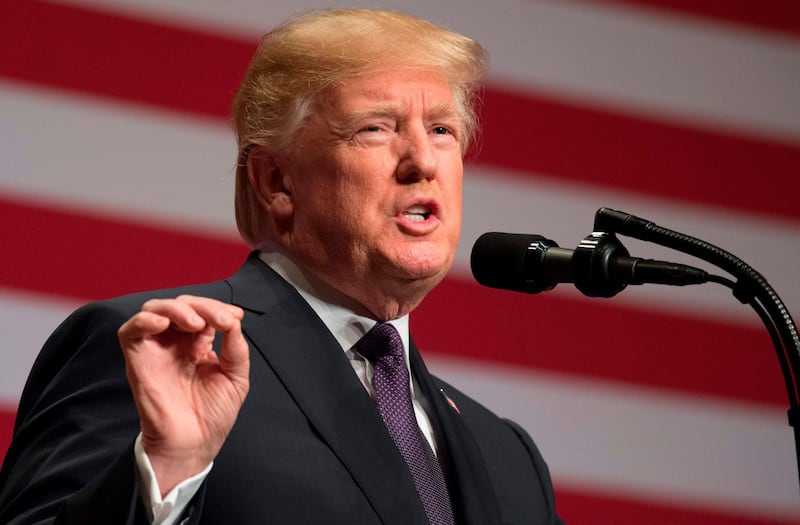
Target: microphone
x,y
599,267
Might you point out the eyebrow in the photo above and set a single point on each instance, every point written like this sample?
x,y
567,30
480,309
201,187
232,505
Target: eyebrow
x,y
439,111
378,111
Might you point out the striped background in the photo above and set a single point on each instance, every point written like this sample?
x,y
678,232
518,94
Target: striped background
x,y
660,406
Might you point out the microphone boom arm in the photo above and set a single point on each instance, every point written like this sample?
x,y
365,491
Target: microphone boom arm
x,y
750,288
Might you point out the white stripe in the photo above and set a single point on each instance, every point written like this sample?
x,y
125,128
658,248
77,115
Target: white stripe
x,y
668,448
168,169
495,200
126,160
675,67
26,320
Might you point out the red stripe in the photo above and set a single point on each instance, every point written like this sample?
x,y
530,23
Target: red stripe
x,y
75,255
7,415
586,505
113,56
186,70
780,15
60,252
528,133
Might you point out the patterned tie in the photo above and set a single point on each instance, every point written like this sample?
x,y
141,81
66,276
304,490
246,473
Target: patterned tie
x,y
384,348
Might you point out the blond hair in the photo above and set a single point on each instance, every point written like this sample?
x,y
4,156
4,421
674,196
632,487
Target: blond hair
x,y
320,49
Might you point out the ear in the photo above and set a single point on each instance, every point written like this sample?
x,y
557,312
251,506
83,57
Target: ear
x,y
271,186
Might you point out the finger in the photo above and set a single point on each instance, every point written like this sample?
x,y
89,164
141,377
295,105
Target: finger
x,y
212,304
234,358
141,325
221,316
180,314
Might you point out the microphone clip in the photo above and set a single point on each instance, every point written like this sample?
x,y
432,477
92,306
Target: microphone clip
x,y
595,265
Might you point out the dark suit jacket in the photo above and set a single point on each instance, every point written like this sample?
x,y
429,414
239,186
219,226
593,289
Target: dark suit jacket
x,y
308,446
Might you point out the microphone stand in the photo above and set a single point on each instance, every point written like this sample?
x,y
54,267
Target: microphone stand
x,y
749,287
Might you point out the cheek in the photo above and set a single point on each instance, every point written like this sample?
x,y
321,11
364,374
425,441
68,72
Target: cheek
x,y
349,212
365,190
323,191
453,191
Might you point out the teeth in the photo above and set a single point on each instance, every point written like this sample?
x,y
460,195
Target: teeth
x,y
417,213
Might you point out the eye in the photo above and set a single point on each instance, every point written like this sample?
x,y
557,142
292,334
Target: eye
x,y
441,130
372,134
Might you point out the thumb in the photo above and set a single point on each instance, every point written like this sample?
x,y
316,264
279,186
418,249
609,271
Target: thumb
x,y
234,358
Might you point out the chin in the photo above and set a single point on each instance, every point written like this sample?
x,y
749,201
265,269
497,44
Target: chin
x,y
426,269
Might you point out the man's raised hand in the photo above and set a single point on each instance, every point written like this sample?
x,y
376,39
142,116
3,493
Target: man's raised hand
x,y
187,396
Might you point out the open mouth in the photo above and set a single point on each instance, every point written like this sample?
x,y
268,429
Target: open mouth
x,y
417,213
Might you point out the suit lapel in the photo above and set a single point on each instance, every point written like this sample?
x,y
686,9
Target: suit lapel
x,y
474,499
302,352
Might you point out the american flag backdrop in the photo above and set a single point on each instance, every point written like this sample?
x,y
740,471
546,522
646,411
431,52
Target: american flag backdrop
x,y
659,406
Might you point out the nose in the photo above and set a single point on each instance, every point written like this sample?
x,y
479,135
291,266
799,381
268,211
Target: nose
x,y
417,159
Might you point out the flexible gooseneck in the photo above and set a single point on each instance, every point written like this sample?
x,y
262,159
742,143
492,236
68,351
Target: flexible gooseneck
x,y
749,287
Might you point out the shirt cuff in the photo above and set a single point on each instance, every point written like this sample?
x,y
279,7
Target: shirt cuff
x,y
166,511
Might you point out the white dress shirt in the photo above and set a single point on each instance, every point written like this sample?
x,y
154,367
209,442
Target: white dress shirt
x,y
347,328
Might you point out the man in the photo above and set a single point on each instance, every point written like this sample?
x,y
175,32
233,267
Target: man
x,y
352,125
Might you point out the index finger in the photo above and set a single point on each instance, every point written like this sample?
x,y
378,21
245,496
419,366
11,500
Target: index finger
x,y
193,314
219,315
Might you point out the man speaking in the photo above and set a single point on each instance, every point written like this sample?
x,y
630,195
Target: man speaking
x,y
292,393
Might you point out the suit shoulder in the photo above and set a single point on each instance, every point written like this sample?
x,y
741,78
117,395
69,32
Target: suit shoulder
x,y
89,334
101,319
220,290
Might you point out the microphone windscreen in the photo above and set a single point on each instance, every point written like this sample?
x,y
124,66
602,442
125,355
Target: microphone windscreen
x,y
498,260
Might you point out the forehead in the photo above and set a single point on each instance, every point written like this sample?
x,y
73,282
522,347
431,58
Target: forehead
x,y
403,89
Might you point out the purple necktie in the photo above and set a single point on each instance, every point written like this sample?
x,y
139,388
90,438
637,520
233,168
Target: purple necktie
x,y
384,348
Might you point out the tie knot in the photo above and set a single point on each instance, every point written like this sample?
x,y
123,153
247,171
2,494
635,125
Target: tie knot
x,y
382,340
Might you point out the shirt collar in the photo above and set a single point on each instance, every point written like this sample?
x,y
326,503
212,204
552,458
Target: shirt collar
x,y
346,326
